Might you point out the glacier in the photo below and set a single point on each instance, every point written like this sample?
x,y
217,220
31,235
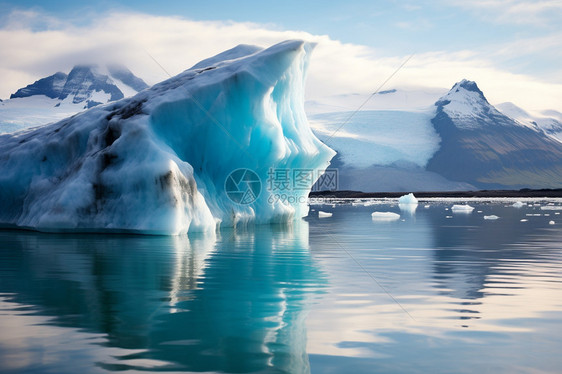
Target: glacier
x,y
158,162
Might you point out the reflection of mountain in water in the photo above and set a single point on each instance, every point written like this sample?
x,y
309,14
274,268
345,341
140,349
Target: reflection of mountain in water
x,y
236,304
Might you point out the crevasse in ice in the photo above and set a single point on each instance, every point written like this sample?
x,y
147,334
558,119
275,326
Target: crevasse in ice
x,y
158,162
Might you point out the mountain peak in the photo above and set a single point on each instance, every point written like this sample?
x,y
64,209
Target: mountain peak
x,y
468,85
466,105
86,83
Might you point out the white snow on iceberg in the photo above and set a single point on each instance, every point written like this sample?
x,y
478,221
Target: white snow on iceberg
x,y
158,162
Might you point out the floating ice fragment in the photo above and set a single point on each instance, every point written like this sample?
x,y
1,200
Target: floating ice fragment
x,y
551,222
493,216
408,199
322,214
523,220
462,209
518,204
448,217
426,206
551,207
385,216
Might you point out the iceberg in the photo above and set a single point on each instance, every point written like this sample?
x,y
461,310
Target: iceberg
x,y
322,214
408,199
385,216
191,153
462,208
491,217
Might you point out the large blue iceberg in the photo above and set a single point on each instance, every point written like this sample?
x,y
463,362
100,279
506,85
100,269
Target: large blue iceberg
x,y
190,153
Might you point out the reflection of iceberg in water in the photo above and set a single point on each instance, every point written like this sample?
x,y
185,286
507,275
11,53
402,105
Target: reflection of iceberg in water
x,y
248,314
236,303
409,209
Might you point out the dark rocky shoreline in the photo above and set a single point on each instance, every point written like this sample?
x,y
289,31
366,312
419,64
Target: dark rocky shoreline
x,y
424,194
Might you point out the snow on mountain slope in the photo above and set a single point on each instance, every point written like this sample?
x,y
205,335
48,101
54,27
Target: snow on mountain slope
x,y
551,126
378,137
60,95
160,162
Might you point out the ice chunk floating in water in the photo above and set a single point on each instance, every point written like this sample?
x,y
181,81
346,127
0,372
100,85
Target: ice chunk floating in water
x,y
462,208
385,216
322,214
189,153
408,199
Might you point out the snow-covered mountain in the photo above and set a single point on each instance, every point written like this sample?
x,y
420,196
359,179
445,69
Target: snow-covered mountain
x,y
177,157
488,149
61,95
549,121
453,141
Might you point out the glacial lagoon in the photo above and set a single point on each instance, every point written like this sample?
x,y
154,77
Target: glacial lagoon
x,y
434,291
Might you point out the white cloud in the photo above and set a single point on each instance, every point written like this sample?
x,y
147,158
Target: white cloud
x,y
28,52
526,12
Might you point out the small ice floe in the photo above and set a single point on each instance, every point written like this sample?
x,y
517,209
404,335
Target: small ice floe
x,y
551,223
322,214
462,208
426,206
479,211
493,216
385,216
518,204
408,199
448,217
557,213
551,207
523,220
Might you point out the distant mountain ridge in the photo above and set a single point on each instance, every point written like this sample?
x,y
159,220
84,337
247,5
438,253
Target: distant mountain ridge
x,y
61,95
82,84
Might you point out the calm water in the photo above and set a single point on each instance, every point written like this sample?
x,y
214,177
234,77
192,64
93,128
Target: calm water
x,y
344,294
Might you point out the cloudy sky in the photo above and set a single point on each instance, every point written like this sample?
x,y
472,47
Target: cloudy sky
x,y
511,48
